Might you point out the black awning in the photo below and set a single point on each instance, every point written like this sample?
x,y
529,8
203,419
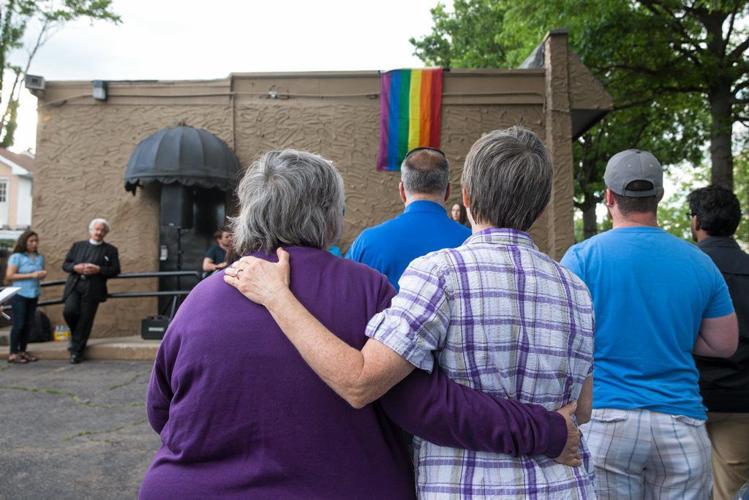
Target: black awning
x,y
184,155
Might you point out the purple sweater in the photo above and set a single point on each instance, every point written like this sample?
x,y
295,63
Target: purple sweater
x,y
241,415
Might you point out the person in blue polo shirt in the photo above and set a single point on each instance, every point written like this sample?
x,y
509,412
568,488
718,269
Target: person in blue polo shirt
x,y
423,227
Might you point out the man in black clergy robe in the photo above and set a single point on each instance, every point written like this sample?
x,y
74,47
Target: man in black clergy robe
x,y
89,264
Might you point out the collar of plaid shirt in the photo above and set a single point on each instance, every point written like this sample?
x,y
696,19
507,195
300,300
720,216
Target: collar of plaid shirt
x,y
502,236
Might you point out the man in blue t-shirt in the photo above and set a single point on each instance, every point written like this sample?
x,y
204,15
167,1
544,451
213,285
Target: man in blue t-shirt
x,y
657,299
424,225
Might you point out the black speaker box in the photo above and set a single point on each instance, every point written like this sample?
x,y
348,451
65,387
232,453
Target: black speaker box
x,y
154,327
176,206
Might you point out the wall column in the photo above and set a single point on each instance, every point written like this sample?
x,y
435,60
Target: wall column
x,y
561,230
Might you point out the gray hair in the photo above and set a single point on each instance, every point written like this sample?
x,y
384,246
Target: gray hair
x,y
99,220
288,197
425,171
508,175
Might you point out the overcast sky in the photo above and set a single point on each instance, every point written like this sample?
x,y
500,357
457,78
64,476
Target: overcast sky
x,y
199,39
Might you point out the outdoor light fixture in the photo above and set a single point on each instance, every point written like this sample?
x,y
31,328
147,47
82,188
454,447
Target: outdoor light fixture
x,y
100,90
34,82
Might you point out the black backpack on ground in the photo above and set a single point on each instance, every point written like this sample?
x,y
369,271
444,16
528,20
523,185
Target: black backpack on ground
x,y
41,329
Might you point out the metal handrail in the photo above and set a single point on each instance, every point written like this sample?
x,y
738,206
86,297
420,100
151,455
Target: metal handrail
x,y
129,295
155,274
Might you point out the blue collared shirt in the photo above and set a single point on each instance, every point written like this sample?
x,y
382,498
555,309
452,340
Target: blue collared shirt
x,y
423,227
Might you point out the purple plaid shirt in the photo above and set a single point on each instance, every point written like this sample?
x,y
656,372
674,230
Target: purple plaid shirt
x,y
504,318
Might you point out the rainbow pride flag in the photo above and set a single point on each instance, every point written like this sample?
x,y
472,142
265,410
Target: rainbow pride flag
x,y
410,113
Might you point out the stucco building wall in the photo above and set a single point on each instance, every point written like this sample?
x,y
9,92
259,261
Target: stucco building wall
x,y
82,150
83,147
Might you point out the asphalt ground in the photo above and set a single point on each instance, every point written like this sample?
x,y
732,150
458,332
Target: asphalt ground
x,y
74,431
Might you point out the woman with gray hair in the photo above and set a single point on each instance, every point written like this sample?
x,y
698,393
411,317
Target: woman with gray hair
x,y
495,313
239,412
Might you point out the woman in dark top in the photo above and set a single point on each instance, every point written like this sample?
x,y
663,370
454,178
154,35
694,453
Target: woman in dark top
x,y
25,270
241,415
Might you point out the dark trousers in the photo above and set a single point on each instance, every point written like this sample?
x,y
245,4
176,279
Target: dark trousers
x,y
80,309
24,310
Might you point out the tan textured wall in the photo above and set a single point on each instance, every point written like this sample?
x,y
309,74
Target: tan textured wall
x,y
558,123
348,134
82,151
83,147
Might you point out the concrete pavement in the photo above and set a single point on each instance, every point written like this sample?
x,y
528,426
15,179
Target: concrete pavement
x,y
74,431
109,348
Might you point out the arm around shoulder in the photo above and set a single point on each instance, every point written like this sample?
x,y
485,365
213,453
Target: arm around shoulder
x,y
446,413
359,377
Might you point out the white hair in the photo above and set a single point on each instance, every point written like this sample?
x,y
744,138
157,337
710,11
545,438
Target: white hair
x,y
508,176
99,220
288,197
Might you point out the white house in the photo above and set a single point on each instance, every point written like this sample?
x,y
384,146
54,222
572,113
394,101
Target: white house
x,y
16,183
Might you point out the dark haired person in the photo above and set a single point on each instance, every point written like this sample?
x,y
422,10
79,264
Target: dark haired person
x,y
215,258
657,299
458,214
424,225
495,314
89,264
25,270
715,214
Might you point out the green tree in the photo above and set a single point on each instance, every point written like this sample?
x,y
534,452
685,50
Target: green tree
x,y
673,210
742,186
663,62
16,16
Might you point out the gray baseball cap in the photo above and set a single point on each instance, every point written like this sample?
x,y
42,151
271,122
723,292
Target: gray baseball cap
x,y
633,165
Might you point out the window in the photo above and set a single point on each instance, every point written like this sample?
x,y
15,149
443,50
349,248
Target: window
x,y
3,191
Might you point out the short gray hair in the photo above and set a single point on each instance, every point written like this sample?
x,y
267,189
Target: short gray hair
x,y
508,175
288,197
99,220
425,171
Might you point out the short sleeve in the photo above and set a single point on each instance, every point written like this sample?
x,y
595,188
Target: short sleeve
x,y
213,254
417,320
355,250
720,303
15,260
572,262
